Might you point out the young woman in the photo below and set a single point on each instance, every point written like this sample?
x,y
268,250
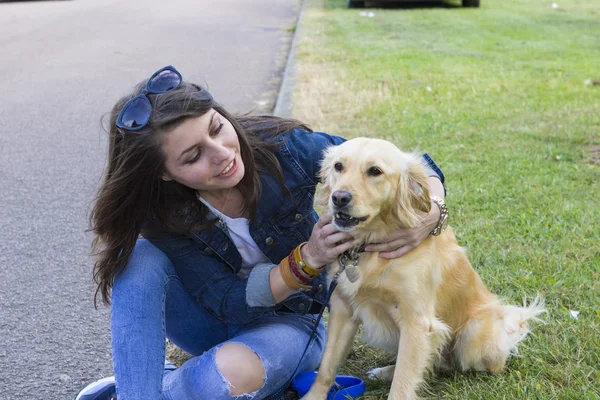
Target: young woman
x,y
205,234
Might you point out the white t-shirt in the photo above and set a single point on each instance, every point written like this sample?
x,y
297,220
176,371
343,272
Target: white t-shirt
x,y
239,232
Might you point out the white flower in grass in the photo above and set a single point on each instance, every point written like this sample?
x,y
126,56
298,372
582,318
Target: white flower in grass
x,y
428,88
554,5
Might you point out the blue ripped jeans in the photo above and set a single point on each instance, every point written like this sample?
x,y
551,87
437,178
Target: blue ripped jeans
x,y
149,303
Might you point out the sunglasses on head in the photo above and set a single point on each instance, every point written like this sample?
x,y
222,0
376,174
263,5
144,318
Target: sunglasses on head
x,y
137,112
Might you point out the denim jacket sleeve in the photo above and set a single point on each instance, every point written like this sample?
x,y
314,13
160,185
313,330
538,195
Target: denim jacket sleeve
x,y
432,169
258,289
212,282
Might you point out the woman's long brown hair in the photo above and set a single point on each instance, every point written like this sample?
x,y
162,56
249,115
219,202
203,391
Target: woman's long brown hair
x,y
133,192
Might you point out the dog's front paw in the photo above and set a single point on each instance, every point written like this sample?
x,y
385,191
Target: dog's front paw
x,y
311,397
315,394
385,374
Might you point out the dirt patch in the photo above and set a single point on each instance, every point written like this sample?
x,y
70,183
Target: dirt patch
x,y
175,355
595,154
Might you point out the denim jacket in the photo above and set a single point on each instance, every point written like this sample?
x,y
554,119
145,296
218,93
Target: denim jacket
x,y
208,263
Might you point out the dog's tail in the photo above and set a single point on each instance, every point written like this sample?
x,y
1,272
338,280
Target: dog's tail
x,y
516,321
492,335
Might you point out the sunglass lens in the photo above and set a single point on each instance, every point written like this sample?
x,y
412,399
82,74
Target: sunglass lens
x,y
164,81
137,113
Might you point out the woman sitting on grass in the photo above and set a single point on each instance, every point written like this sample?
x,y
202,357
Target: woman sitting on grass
x,y
194,225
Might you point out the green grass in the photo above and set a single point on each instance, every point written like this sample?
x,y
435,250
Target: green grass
x,y
498,97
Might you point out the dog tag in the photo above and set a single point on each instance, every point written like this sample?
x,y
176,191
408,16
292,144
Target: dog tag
x,y
352,273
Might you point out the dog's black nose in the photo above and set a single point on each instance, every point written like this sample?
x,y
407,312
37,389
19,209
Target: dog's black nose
x,y
341,198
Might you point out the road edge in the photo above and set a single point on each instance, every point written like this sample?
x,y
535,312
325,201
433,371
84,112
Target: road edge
x,y
283,104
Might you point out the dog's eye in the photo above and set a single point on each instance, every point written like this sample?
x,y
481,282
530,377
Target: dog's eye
x,y
374,171
338,166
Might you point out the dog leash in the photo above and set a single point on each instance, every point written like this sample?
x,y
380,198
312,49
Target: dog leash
x,y
348,261
279,394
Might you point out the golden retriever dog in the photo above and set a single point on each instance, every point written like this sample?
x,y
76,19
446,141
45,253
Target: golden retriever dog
x,y
428,307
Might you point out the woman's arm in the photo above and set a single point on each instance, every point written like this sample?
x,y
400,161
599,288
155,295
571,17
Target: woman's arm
x,y
266,287
233,299
279,289
436,188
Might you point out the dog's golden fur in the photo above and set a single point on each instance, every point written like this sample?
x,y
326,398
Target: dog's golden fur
x,y
427,307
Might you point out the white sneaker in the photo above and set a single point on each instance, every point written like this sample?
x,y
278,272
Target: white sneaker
x,y
103,389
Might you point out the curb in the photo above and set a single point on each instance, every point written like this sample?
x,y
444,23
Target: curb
x,y
283,104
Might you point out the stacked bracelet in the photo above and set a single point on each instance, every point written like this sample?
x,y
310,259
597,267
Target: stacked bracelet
x,y
288,277
301,277
296,273
302,264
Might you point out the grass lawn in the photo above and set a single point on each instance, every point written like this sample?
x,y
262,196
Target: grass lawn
x,y
502,98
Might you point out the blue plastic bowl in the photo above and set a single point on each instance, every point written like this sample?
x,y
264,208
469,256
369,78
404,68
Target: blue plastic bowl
x,y
345,387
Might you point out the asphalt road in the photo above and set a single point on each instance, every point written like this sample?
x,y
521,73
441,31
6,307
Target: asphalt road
x,y
62,66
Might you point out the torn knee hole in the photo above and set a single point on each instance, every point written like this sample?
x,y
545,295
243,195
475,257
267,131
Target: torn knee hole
x,y
241,368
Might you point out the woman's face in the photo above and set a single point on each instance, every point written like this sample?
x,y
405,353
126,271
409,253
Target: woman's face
x,y
203,153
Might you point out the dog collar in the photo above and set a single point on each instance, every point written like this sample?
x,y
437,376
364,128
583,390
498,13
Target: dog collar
x,y
349,262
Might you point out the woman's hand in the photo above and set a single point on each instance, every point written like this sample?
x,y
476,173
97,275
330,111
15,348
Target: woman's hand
x,y
326,243
402,241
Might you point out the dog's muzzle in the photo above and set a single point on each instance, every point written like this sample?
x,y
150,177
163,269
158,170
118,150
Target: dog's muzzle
x,y
344,221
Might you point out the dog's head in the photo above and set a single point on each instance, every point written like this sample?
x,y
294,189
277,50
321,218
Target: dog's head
x,y
371,185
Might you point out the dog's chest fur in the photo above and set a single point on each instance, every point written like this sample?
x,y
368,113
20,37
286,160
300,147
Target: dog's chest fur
x,y
374,299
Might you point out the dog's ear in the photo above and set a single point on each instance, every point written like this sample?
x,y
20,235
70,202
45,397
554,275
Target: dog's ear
x,y
412,196
322,195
